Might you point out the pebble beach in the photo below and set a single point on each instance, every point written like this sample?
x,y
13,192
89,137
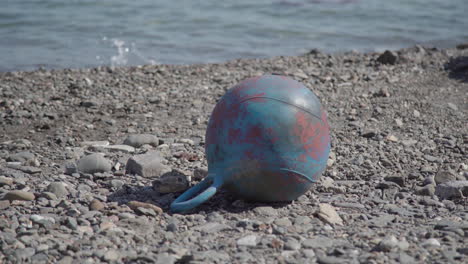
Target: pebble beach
x,y
91,159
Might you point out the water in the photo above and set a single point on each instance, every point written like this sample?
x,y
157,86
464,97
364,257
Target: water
x,y
88,33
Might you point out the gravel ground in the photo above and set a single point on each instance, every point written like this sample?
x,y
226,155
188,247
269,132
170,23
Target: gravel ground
x,y
90,160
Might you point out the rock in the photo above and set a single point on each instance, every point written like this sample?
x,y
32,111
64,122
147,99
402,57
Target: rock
x,y
111,255
249,241
452,189
398,179
284,221
70,168
45,221
148,165
19,195
49,196
431,242
94,163
330,260
23,157
327,182
174,181
388,57
387,244
266,211
136,204
96,205
428,190
212,227
139,140
5,181
444,176
292,244
94,143
4,204
318,242
328,214
58,189
120,148
200,173
392,138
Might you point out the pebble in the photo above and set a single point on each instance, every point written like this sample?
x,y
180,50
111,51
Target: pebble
x,y
318,242
428,190
5,181
148,165
94,163
249,241
387,244
328,214
96,205
45,221
431,242
139,140
19,195
174,181
266,211
444,176
136,204
388,57
120,148
57,188
4,204
452,189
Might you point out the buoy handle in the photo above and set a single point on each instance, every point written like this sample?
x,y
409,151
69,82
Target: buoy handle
x,y
184,202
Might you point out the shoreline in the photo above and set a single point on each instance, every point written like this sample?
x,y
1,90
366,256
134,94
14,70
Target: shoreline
x,y
396,180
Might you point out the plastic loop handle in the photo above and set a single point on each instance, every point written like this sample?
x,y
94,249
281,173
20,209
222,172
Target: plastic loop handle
x,y
182,203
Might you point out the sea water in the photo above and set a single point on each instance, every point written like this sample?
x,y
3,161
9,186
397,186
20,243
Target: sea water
x,y
89,33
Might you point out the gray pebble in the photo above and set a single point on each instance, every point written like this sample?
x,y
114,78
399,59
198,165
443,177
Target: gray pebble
x,y
94,163
148,165
139,140
58,189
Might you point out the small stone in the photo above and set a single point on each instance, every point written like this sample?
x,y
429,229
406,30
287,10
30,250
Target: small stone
x,y
388,57
392,138
398,122
147,165
120,148
317,242
200,173
45,221
135,204
292,244
444,176
387,244
174,181
4,204
22,157
249,241
330,260
328,214
94,163
284,221
139,140
49,196
70,168
327,182
5,181
58,189
452,106
428,190
212,227
116,184
111,255
398,179
96,205
452,189
416,113
266,211
431,242
19,195
94,143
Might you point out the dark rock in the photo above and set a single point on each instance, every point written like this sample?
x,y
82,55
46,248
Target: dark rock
x,y
388,57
